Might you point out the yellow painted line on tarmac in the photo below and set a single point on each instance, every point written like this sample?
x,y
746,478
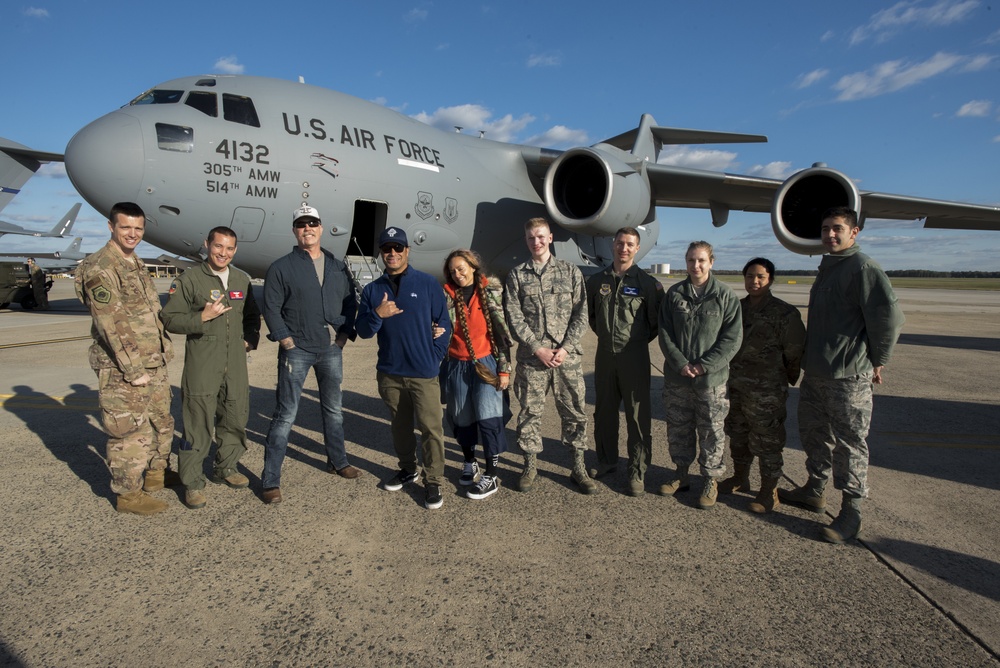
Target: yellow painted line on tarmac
x,y
42,343
948,441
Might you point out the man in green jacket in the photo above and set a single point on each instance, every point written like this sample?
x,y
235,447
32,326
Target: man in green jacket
x,y
213,305
623,303
853,323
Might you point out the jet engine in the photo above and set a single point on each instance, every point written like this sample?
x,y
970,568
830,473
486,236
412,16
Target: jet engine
x,y
592,191
799,204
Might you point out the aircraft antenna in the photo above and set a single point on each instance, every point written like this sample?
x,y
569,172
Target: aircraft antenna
x,y
458,128
482,133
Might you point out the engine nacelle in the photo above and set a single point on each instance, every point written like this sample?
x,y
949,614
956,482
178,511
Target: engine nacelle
x,y
799,204
591,191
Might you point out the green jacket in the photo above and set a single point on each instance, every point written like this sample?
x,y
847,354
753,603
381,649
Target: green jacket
x,y
214,350
704,330
854,317
623,312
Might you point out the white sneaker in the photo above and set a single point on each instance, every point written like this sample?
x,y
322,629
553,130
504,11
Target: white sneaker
x,y
470,473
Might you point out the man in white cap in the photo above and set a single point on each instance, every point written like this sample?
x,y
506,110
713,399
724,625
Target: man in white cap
x,y
309,307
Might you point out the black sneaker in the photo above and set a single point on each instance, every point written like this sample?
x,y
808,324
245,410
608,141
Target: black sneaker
x,y
488,484
470,473
396,482
433,499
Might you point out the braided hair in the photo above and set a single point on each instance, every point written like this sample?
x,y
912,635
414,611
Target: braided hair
x,y
478,283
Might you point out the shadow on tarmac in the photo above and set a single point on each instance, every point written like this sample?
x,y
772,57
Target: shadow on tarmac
x,y
68,430
979,576
955,342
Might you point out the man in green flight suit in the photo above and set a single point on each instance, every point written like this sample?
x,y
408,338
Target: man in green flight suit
x,y
623,304
213,305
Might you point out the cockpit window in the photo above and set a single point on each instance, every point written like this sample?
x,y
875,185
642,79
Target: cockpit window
x,y
239,109
158,96
174,138
206,103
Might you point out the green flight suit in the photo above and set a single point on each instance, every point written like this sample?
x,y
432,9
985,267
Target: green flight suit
x,y
623,312
215,387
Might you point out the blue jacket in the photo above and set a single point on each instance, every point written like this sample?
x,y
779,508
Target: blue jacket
x,y
406,343
295,305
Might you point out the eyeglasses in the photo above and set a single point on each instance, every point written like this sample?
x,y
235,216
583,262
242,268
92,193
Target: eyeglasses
x,y
393,248
302,224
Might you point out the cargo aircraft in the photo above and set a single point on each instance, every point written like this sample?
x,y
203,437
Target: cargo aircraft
x,y
245,151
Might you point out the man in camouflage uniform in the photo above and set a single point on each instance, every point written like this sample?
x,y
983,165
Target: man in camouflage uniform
x,y
38,285
214,307
545,303
767,363
130,354
623,303
854,321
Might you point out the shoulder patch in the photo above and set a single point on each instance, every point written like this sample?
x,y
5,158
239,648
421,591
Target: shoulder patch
x,y
100,294
173,287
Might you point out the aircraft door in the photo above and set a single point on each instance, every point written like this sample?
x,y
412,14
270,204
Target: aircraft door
x,y
369,222
247,223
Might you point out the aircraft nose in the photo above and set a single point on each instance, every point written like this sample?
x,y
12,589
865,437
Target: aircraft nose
x,y
105,160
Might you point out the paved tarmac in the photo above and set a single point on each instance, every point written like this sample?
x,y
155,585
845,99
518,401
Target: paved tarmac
x,y
347,574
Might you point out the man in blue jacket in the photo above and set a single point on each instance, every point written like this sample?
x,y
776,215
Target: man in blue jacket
x,y
309,308
403,307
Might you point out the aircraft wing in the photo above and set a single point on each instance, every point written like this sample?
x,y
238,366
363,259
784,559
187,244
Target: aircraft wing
x,y
17,164
692,188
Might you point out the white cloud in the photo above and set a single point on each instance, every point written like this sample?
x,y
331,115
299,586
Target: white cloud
x,y
885,23
827,36
778,169
997,139
475,117
415,15
894,75
977,63
698,158
52,170
994,38
559,136
36,13
975,108
228,65
544,60
809,78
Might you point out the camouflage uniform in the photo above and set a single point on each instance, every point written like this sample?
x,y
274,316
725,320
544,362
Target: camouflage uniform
x,y
767,363
129,341
702,330
854,321
547,309
623,312
215,388
38,287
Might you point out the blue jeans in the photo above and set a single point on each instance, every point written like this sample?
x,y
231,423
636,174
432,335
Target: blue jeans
x,y
474,408
293,366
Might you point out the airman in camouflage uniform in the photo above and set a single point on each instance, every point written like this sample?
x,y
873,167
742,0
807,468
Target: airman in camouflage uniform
x,y
767,363
214,307
623,303
129,354
700,332
546,302
854,321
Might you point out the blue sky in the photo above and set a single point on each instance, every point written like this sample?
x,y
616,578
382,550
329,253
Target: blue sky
x,y
903,97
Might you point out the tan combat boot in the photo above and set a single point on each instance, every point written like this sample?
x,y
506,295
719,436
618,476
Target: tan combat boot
x,y
579,475
528,474
157,480
739,482
709,493
680,483
809,496
139,503
767,497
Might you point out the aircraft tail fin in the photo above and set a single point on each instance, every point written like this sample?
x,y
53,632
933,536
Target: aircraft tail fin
x,y
72,252
646,140
65,223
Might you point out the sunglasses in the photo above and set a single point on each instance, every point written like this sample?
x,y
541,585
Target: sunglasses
x,y
302,224
394,248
